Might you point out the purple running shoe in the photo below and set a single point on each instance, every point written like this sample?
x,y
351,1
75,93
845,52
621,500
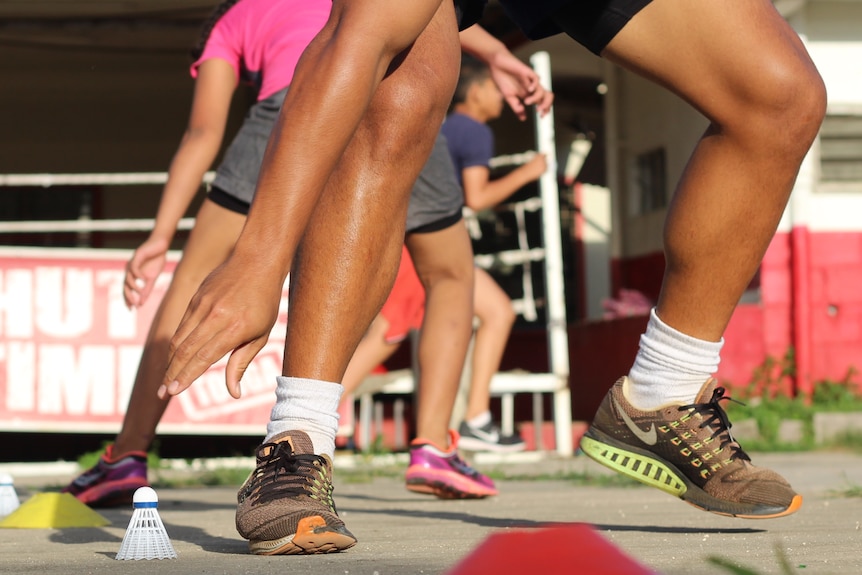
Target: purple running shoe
x,y
443,473
112,481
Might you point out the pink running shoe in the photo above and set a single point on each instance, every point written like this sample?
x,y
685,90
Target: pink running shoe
x,y
443,473
112,481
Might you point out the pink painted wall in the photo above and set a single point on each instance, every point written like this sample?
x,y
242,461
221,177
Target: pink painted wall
x,y
766,329
834,306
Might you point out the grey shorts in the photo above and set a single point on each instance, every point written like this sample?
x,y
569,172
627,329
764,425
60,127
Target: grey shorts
x,y
236,176
436,200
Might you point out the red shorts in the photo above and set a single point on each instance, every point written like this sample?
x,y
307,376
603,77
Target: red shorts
x,y
405,306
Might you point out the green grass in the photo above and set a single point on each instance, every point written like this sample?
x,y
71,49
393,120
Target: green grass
x,y
214,478
731,567
91,458
580,478
768,400
367,474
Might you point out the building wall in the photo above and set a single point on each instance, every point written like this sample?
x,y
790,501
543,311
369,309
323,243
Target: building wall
x,y
79,110
807,301
649,118
832,29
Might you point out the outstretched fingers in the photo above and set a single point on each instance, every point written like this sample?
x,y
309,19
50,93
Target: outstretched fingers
x,y
208,331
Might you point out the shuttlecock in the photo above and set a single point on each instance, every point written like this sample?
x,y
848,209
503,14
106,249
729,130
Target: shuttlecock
x,y
146,537
8,497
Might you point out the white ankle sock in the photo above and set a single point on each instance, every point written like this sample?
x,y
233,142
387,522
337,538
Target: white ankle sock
x,y
480,420
670,366
306,405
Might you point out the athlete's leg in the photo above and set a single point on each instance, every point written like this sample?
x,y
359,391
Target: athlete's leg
x,y
338,77
215,231
372,350
496,316
742,66
747,71
348,256
444,262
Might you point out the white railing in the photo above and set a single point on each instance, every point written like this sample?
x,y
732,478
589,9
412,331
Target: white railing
x,y
503,384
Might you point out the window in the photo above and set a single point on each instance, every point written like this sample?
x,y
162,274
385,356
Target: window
x,y
651,179
841,149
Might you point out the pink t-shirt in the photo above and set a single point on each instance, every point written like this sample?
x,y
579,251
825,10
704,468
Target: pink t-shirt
x,y
263,39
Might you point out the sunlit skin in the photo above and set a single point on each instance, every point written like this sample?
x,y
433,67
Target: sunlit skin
x,y
326,192
351,222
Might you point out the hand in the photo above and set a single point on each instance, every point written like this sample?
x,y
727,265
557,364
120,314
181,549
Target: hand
x,y
537,166
232,312
143,270
519,84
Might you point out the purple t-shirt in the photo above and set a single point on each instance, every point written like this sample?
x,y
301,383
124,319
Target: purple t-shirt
x,y
263,40
471,143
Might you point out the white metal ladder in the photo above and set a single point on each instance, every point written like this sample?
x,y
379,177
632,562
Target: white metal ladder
x,y
507,384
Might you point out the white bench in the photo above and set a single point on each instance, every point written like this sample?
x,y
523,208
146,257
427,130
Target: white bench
x,y
504,385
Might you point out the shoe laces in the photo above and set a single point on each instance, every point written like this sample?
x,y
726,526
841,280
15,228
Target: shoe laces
x,y
715,418
281,473
464,468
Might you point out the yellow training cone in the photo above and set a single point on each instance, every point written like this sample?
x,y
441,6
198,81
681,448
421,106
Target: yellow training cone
x,y
53,510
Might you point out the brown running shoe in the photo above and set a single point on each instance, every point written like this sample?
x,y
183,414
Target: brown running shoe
x,y
687,451
285,506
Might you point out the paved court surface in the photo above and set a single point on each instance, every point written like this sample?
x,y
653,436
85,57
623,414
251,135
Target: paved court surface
x,y
401,532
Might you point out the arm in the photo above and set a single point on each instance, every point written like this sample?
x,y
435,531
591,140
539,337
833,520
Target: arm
x,y
481,193
335,82
214,89
518,82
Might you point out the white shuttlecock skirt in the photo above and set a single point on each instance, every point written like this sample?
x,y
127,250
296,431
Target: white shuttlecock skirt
x,y
9,501
146,536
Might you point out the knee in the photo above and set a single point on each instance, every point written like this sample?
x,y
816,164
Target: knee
x,y
452,275
786,109
803,105
500,318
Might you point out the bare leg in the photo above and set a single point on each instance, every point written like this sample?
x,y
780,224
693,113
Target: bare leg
x,y
372,350
743,67
348,257
337,87
444,262
494,310
211,240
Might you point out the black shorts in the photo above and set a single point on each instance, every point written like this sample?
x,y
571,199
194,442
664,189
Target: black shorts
x,y
228,201
592,23
468,12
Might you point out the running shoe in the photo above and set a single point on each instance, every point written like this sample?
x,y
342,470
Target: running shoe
x,y
285,506
687,451
112,481
489,437
443,473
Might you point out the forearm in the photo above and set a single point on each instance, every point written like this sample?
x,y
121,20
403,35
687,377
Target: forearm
x,y
496,191
195,155
333,86
477,42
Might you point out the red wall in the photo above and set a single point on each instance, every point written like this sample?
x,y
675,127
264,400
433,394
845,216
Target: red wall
x,y
602,351
768,328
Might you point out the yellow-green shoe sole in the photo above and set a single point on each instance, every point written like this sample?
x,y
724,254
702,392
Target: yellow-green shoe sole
x,y
635,465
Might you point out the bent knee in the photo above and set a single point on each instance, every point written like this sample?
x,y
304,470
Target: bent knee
x,y
784,110
500,316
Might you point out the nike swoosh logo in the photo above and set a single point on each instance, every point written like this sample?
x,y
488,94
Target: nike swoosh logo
x,y
492,437
649,436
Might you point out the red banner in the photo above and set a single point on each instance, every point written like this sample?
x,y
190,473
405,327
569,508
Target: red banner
x,y
69,350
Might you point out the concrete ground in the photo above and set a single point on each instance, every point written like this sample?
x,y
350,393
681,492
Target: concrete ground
x,y
401,532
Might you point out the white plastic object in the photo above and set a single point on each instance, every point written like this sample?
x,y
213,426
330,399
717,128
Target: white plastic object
x,y
146,537
9,501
